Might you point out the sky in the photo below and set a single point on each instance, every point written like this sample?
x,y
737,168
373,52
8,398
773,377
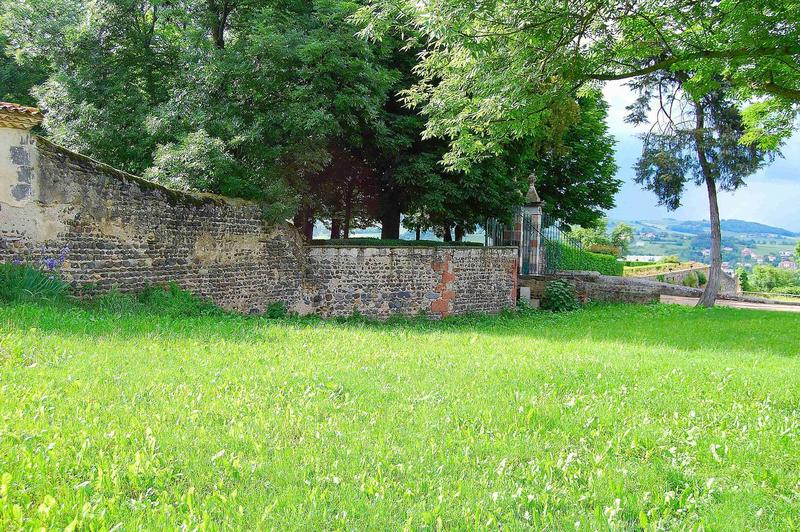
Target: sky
x,y
771,196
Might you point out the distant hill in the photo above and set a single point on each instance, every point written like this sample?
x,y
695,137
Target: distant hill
x,y
730,226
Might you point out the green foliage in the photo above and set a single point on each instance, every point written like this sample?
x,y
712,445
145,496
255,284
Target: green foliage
x,y
277,310
171,300
691,280
597,239
20,282
621,237
791,290
604,249
701,278
203,415
670,259
572,259
196,162
765,278
494,71
559,296
167,300
744,279
378,242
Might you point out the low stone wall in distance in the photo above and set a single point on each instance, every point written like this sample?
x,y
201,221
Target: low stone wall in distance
x,y
437,281
727,283
592,286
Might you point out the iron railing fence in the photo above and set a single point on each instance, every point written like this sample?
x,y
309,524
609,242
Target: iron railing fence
x,y
540,238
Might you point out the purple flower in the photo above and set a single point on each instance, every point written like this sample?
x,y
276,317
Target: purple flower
x,y
51,263
16,262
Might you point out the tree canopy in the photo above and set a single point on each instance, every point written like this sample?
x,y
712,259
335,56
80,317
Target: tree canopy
x,y
494,71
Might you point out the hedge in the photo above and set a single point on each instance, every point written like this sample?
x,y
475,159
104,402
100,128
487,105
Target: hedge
x,y
570,258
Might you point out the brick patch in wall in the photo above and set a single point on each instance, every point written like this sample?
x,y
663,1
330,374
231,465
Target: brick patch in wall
x,y
443,306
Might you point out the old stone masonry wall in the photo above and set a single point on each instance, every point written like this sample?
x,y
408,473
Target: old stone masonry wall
x,y
121,231
410,280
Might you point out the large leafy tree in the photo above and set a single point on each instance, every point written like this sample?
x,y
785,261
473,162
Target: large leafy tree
x,y
494,71
694,139
283,102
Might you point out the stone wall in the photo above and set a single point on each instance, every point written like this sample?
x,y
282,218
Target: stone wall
x,y
125,232
727,283
592,286
410,280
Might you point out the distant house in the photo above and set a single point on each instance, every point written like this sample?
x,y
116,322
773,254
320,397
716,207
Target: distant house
x,y
727,248
747,252
643,258
786,254
706,252
788,265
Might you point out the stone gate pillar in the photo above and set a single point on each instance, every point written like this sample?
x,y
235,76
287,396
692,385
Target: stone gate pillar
x,y
18,175
530,234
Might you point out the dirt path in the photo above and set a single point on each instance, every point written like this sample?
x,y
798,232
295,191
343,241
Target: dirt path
x,y
691,301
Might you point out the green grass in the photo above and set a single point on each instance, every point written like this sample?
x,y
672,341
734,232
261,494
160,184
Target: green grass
x,y
614,416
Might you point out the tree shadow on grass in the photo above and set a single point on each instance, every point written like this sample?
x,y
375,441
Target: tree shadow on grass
x,y
666,326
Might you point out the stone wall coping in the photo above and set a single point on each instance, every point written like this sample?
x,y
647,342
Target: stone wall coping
x,y
407,248
177,195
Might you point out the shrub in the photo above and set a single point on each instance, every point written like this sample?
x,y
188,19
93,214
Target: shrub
x,y
790,290
115,302
671,259
20,282
277,310
744,279
661,278
701,279
573,259
173,301
690,280
559,296
604,249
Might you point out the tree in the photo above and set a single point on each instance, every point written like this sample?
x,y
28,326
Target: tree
x,y
621,237
281,102
744,279
595,237
693,139
767,278
797,251
495,71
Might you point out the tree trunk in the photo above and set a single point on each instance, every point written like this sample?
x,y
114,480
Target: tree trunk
x,y
308,223
348,211
459,233
390,214
418,233
711,291
447,236
336,229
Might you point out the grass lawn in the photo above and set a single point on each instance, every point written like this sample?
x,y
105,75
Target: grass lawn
x,y
612,415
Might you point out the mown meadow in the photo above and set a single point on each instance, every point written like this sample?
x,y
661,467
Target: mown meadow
x,y
609,416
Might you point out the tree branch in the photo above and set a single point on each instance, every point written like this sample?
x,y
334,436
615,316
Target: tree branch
x,y
666,63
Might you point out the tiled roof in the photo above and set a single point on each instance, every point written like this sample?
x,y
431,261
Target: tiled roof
x,y
19,116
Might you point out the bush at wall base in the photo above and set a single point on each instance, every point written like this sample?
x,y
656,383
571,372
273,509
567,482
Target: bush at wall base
x,y
20,282
559,296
